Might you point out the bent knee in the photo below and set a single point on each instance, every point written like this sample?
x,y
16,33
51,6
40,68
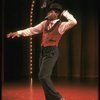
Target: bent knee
x,y
43,77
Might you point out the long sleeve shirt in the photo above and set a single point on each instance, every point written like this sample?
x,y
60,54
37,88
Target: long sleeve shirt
x,y
64,26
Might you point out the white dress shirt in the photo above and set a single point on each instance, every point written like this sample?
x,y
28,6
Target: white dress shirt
x,y
64,26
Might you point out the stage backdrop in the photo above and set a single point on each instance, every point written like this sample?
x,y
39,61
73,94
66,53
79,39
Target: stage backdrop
x,y
78,48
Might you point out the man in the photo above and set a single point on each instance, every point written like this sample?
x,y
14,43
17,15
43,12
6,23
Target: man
x,y
51,36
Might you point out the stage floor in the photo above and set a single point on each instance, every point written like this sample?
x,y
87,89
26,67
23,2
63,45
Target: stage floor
x,y
27,91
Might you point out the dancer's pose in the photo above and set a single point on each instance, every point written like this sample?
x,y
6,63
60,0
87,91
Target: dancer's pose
x,y
52,29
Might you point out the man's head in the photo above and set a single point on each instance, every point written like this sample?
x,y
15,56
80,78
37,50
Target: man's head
x,y
54,11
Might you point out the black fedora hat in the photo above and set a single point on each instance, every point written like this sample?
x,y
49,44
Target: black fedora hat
x,y
55,6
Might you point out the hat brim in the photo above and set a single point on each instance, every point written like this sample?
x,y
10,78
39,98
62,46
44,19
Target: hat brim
x,y
55,9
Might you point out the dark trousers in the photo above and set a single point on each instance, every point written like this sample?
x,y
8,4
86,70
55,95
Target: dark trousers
x,y
48,58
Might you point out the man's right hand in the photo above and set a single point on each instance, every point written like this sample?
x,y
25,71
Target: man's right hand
x,y
13,35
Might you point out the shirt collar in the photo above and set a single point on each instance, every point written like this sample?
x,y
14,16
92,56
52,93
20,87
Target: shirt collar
x,y
54,21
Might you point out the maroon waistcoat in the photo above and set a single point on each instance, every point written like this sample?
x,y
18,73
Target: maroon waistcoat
x,y
51,37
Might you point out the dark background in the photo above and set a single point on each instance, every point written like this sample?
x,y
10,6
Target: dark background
x,y
78,59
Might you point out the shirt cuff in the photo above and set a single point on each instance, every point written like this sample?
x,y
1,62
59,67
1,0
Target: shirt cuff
x,y
68,15
19,32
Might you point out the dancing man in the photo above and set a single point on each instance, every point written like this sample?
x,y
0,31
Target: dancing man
x,y
52,29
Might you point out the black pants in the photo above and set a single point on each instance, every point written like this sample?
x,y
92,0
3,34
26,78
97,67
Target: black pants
x,y
48,58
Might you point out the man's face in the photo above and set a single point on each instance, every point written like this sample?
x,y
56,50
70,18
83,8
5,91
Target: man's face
x,y
52,15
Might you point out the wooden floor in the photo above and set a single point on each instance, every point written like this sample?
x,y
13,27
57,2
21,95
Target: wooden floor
x,y
28,91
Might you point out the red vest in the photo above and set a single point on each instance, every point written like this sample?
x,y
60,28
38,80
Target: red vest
x,y
51,37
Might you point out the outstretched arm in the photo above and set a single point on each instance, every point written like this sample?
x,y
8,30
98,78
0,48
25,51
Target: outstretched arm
x,y
24,32
28,32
